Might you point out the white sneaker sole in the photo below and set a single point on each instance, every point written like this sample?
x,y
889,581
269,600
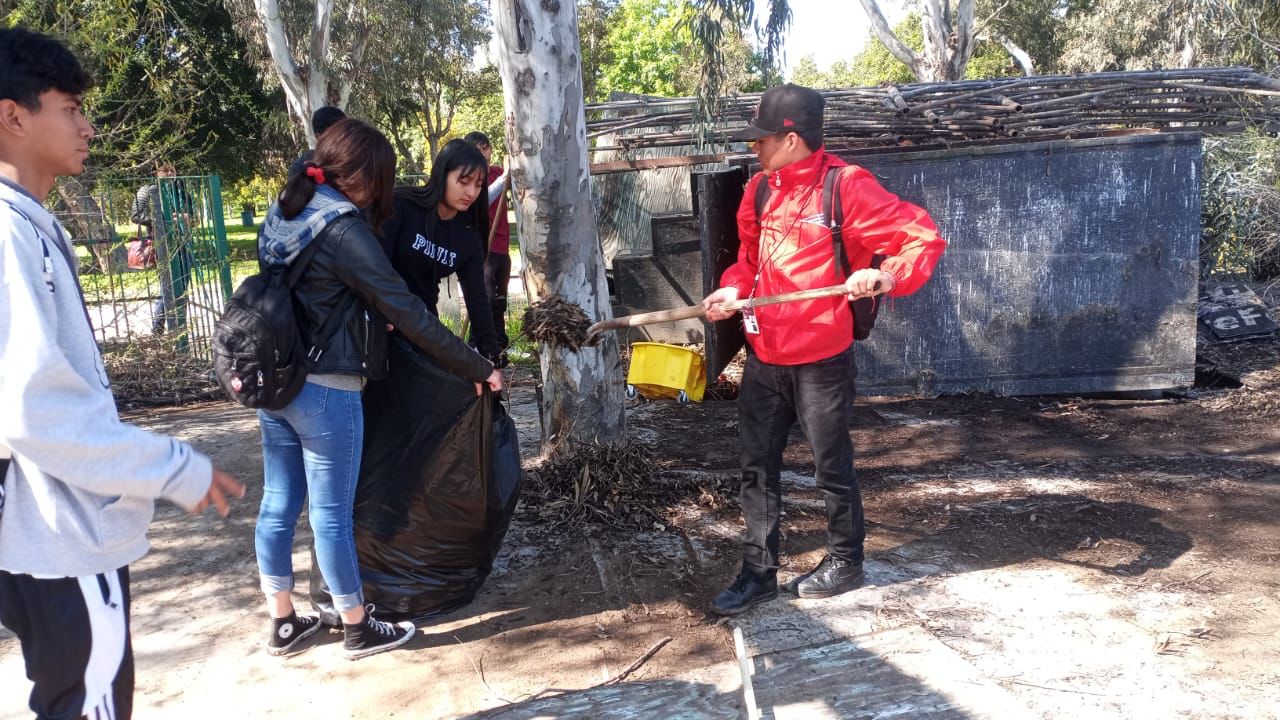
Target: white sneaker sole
x,y
410,629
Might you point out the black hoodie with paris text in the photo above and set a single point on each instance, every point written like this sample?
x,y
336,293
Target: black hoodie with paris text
x,y
426,249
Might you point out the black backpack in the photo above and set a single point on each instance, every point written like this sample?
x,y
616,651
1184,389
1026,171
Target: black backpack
x,y
864,309
258,353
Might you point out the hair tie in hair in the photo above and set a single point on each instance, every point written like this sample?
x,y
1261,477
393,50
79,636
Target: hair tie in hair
x,y
315,172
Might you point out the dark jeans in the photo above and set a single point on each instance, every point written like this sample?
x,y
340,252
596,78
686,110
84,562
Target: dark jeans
x,y
497,273
772,398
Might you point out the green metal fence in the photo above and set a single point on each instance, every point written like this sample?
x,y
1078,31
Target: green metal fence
x,y
182,293
172,306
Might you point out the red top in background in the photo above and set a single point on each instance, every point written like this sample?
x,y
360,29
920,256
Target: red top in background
x,y
502,235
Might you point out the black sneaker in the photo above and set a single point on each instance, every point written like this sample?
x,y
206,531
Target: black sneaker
x,y
370,636
746,592
288,633
832,577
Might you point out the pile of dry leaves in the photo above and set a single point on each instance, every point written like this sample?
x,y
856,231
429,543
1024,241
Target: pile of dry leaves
x,y
556,321
615,486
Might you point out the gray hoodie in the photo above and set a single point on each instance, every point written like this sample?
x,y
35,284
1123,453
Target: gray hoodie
x,y
79,493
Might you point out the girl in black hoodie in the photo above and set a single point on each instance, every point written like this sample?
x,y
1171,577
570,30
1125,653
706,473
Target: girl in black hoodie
x,y
441,229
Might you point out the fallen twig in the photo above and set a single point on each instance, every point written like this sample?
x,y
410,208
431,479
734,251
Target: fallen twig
x,y
1192,581
1046,687
653,650
480,672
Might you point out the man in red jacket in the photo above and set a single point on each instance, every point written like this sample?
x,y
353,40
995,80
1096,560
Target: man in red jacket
x,y
800,363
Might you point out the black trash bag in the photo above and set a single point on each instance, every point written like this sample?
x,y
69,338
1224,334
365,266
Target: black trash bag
x,y
439,482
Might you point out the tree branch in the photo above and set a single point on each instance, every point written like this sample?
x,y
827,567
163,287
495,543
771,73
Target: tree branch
x,y
880,26
268,12
318,77
1020,56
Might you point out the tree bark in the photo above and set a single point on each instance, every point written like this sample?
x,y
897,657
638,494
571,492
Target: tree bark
x,y
295,91
539,60
961,40
312,86
948,39
934,62
884,33
1020,56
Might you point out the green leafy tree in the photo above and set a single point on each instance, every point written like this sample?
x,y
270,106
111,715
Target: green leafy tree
x,y
876,65
417,71
593,31
1133,35
714,23
806,73
484,112
171,83
649,47
651,50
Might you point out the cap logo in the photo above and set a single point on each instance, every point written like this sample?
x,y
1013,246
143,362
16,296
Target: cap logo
x,y
788,122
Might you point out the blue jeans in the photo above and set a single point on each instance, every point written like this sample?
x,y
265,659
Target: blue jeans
x,y
311,450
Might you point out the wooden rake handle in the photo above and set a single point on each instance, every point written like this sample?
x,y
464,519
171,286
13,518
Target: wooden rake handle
x,y
697,311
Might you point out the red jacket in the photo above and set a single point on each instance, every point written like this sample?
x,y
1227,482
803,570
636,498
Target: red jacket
x,y
502,234
789,249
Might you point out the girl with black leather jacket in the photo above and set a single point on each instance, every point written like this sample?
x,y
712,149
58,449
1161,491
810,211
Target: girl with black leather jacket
x,y
441,229
311,448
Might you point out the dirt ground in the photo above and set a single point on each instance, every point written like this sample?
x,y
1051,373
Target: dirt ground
x,y
1058,557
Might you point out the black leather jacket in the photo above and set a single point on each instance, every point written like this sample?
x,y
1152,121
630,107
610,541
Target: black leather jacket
x,y
350,260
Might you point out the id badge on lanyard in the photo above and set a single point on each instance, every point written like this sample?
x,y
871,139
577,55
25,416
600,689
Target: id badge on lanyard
x,y
749,322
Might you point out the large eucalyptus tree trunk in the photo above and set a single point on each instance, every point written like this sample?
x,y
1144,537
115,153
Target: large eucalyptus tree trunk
x,y
541,68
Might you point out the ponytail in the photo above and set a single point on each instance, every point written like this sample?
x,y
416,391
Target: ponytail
x,y
351,156
299,190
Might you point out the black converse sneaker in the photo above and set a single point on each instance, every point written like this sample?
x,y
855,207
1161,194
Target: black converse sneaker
x,y
287,633
370,636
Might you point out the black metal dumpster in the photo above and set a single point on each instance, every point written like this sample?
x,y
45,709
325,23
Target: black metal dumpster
x,y
1071,268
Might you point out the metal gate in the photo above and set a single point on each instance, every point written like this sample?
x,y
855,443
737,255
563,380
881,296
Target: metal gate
x,y
178,292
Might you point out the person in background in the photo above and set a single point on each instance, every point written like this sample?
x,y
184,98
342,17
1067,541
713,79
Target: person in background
x,y
321,120
77,487
800,365
311,448
440,229
168,199
497,267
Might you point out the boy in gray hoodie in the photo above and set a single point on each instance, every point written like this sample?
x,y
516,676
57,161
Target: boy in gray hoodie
x,y
78,485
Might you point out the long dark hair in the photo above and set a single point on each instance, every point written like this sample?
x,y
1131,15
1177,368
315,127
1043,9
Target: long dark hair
x,y
454,155
352,154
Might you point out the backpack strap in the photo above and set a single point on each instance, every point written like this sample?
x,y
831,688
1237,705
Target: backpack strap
x,y
833,210
762,196
294,274
304,258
